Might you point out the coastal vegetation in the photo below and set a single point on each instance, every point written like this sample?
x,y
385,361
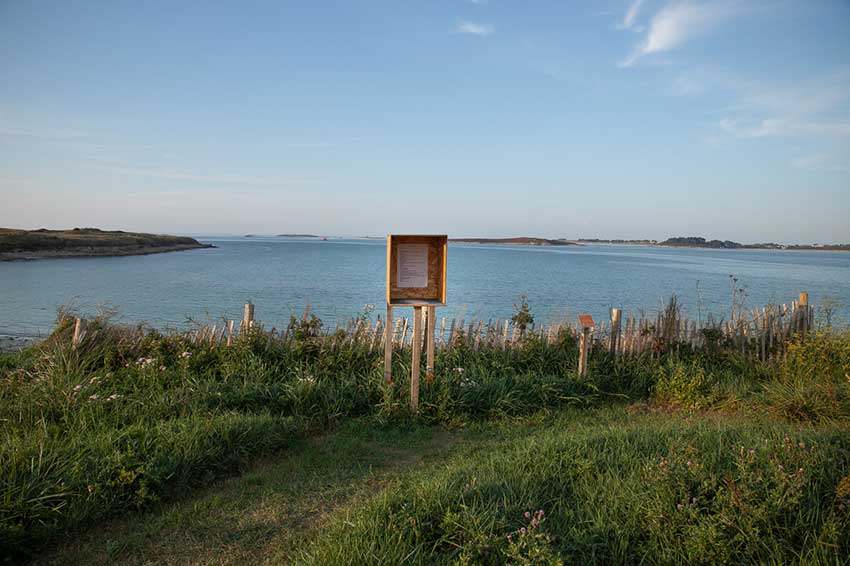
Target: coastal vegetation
x,y
521,241
87,242
669,454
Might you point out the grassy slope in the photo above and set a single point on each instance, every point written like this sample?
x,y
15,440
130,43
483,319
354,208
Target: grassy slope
x,y
372,494
85,239
93,433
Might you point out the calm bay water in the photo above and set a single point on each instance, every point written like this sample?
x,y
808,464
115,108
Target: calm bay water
x,y
338,277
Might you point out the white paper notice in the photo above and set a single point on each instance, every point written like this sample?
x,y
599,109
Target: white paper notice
x,y
412,266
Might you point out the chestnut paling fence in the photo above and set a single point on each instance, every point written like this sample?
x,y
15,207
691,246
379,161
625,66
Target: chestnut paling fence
x,y
758,333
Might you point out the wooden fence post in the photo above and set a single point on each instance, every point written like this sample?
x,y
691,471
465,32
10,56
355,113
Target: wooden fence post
x,y
803,309
582,352
429,343
78,332
248,318
586,323
389,331
615,330
414,369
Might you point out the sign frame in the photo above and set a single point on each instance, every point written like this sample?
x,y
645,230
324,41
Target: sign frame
x,y
404,246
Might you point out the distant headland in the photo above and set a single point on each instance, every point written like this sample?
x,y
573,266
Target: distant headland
x,y
282,236
522,241
699,242
87,242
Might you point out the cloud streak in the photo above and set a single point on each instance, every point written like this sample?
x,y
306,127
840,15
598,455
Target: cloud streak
x,y
819,162
676,24
775,127
631,16
472,28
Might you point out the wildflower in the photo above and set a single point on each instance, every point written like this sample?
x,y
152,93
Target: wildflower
x,y
679,506
185,355
540,512
528,515
802,445
522,530
78,387
161,368
689,463
510,538
93,397
752,452
113,397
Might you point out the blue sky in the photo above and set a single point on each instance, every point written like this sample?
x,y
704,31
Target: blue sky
x,y
626,119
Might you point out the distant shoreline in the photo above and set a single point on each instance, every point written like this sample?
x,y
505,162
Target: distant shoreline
x,y
521,241
30,245
752,247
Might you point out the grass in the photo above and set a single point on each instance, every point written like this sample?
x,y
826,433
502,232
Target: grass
x,y
84,238
610,483
126,432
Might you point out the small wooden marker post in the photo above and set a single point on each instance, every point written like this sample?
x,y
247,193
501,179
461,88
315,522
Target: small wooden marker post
x,y
416,277
587,325
429,344
615,330
79,326
803,309
248,318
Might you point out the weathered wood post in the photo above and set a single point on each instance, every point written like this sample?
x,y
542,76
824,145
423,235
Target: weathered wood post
x,y
248,318
803,309
230,333
416,346
584,342
79,327
388,347
615,330
429,343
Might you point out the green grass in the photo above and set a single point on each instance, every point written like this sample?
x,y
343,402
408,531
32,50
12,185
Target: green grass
x,y
82,238
610,483
132,423
615,489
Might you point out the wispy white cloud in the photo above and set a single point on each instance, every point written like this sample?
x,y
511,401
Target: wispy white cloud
x,y
685,85
630,17
820,162
478,2
677,23
816,108
473,28
773,127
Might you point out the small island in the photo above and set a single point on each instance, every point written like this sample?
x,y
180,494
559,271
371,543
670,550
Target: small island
x,y
87,242
522,241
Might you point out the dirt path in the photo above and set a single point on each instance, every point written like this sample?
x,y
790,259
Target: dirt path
x,y
269,512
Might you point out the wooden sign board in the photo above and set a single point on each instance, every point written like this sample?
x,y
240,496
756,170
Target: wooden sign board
x,y
416,270
586,321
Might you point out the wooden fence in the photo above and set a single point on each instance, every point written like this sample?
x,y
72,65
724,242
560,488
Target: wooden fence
x,y
758,333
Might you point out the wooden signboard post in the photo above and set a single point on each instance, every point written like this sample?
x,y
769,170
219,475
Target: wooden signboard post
x,y
587,325
416,277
